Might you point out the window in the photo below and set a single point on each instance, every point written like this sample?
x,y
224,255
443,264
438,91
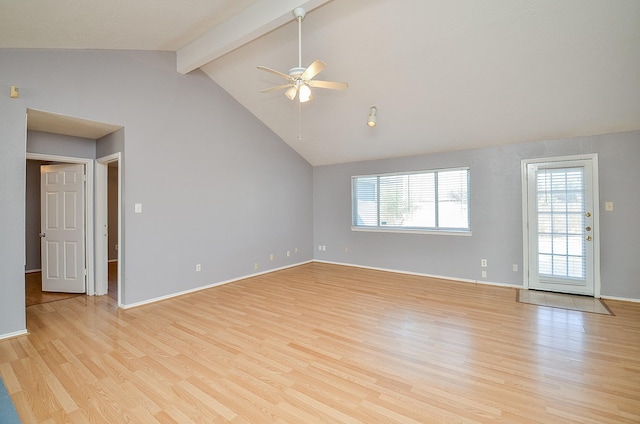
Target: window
x,y
417,201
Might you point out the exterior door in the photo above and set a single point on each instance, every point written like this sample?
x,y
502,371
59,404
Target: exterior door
x,y
562,226
62,228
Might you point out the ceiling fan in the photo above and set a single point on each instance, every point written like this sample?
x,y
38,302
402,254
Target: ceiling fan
x,y
300,80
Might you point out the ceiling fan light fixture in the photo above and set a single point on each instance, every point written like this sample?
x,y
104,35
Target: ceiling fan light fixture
x,y
372,121
304,93
291,92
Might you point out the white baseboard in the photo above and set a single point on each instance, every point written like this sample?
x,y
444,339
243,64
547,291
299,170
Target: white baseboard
x,y
488,283
441,277
197,289
14,334
419,274
623,299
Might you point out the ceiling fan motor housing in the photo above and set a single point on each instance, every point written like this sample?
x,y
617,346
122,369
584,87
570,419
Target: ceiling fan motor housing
x,y
296,72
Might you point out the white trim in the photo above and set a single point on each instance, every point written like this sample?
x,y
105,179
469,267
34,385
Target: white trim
x,y
101,216
31,271
102,279
622,299
420,171
525,223
197,289
593,157
89,199
14,334
463,233
419,274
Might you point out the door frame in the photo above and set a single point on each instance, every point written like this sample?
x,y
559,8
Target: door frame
x,y
593,157
88,211
102,248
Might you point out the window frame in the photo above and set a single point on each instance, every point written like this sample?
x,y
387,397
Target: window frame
x,y
411,230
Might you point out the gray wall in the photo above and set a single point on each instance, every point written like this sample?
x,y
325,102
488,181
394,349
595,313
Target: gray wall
x,y
217,187
60,145
110,144
496,214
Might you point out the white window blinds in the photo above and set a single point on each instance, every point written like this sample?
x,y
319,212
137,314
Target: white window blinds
x,y
425,200
561,237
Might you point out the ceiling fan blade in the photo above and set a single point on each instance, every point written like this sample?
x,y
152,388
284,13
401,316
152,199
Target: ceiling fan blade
x,y
329,84
278,73
314,69
291,92
276,88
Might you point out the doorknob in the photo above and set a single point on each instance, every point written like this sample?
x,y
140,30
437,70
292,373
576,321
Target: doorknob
x,y
41,235
588,238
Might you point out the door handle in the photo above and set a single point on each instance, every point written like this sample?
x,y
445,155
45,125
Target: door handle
x,y
42,235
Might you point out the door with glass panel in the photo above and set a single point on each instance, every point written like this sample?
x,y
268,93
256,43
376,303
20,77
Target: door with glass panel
x,y
561,226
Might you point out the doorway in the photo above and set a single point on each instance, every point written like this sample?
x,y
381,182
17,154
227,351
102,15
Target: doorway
x,y
560,224
111,138
34,267
109,265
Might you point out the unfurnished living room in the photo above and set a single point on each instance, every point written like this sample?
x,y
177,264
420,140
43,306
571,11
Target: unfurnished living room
x,y
322,211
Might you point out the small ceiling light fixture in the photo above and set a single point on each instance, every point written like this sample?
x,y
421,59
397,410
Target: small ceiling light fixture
x,y
372,117
304,93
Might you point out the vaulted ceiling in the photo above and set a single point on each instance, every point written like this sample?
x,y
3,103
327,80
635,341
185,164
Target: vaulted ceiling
x,y
443,74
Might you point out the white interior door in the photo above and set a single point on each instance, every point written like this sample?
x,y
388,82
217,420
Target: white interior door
x,y
562,226
62,228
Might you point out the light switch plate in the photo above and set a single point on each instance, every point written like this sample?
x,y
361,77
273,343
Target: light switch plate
x,y
138,207
608,206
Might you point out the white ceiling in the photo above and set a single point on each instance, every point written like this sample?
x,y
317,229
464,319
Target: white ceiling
x,y
444,75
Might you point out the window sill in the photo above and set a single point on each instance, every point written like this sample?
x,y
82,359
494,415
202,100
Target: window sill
x,y
463,233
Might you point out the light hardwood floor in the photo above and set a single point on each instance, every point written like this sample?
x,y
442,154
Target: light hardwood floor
x,y
35,296
326,343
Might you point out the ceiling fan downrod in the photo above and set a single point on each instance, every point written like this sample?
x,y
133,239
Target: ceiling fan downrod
x,y
299,13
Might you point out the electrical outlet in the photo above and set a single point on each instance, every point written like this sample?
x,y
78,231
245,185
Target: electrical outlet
x,y
515,267
295,250
320,247
484,274
271,257
288,253
255,265
483,263
324,248
198,267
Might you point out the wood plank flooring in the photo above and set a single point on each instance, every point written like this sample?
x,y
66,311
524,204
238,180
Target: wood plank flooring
x,y
326,343
34,294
